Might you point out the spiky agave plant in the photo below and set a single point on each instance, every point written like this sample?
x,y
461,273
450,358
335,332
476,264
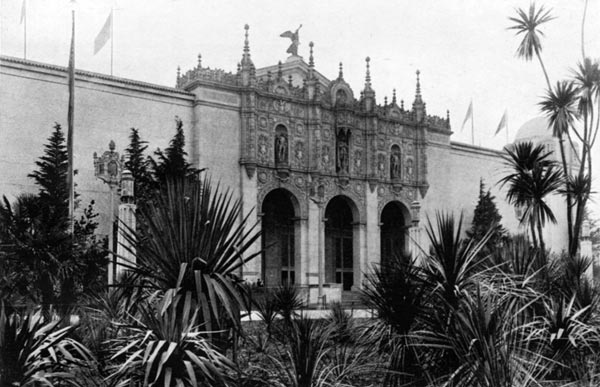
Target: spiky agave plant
x,y
166,346
490,343
36,352
193,237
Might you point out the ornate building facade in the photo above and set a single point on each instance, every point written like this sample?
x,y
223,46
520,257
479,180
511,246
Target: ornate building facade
x,y
337,180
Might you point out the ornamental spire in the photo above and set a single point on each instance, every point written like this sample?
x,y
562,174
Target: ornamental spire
x,y
311,61
418,98
394,97
368,76
246,61
341,74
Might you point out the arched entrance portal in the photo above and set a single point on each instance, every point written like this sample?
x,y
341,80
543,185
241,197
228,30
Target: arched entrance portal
x,y
394,228
278,239
339,249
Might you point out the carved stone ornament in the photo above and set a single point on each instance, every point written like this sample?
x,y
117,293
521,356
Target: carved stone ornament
x,y
299,152
325,156
263,148
357,162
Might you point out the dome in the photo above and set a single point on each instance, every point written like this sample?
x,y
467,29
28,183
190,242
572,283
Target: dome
x,y
535,129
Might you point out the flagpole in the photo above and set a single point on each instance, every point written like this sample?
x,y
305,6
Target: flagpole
x,y
507,128
472,128
70,115
24,29
112,40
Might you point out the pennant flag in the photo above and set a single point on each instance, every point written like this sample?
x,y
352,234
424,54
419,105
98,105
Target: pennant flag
x,y
70,116
105,34
468,116
503,123
23,11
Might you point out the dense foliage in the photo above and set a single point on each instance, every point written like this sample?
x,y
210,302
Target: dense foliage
x,y
48,265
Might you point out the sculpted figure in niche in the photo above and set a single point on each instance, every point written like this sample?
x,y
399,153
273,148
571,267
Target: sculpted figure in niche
x,y
410,168
281,149
395,170
343,154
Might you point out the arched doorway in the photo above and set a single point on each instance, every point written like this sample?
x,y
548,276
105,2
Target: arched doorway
x,y
278,238
393,230
339,246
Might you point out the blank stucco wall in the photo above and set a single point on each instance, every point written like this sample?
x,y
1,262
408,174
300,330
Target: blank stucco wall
x,y
33,98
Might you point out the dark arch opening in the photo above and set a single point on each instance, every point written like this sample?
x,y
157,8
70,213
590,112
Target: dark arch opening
x,y
339,249
278,238
392,231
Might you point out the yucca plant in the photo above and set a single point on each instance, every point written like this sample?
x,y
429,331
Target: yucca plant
x,y
304,352
165,345
193,237
36,352
490,344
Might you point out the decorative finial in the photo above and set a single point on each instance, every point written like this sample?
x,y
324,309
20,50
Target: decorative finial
x,y
418,94
111,146
290,79
341,74
239,67
279,70
246,61
246,43
402,104
368,76
311,62
178,72
269,76
448,116
394,97
385,101
199,60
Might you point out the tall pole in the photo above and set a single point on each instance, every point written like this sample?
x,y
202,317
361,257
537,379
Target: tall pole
x,y
112,39
24,29
472,128
70,116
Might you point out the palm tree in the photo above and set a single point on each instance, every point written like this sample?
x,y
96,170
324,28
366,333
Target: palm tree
x,y
587,81
531,178
559,107
528,24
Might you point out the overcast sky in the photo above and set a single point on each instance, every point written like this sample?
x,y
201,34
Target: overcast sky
x,y
462,48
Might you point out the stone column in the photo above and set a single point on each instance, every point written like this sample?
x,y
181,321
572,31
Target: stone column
x,y
585,249
301,250
252,270
127,208
415,244
359,247
315,243
373,232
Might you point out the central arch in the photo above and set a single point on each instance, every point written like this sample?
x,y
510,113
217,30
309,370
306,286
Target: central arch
x,y
341,216
279,238
394,225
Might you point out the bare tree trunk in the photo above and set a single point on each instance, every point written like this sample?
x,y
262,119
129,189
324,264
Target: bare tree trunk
x,y
541,238
535,243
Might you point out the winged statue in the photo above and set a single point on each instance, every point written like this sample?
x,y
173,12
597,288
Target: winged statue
x,y
295,37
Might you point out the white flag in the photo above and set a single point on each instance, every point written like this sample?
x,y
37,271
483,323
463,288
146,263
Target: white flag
x,y
468,116
23,11
104,35
503,122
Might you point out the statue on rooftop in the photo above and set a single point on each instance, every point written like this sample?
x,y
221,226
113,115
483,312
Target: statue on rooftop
x,y
295,37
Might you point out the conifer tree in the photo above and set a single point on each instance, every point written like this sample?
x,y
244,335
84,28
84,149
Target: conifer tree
x,y
49,265
51,178
172,161
485,217
139,166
